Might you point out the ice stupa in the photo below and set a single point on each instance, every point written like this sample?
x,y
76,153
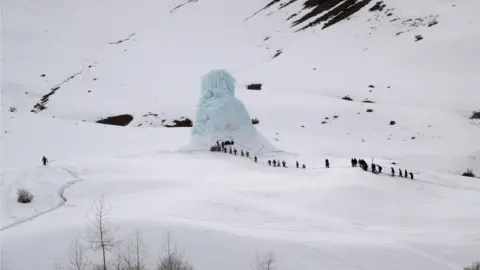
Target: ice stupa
x,y
221,116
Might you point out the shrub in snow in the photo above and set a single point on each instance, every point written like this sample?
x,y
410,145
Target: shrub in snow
x,y
24,196
468,173
392,123
266,262
369,110
474,266
368,101
475,115
347,98
12,109
173,261
418,38
255,121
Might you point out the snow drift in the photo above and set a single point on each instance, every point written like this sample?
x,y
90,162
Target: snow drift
x,y
221,116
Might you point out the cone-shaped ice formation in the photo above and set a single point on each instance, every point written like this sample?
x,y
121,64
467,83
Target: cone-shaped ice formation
x,y
220,116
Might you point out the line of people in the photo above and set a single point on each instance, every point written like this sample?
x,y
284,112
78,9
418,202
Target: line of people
x,y
276,163
376,168
222,147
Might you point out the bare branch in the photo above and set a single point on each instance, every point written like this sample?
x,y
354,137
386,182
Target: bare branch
x,y
171,259
266,262
78,260
100,234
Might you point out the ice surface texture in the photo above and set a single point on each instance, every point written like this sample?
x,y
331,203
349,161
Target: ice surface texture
x,y
221,116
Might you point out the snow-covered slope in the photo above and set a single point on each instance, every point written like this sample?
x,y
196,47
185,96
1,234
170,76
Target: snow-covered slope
x,y
68,64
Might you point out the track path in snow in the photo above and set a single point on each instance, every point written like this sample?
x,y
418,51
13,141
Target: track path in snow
x,y
60,204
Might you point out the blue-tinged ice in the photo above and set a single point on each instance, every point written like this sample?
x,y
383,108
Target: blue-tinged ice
x,y
221,116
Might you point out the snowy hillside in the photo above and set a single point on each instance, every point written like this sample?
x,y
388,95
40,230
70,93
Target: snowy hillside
x,y
393,82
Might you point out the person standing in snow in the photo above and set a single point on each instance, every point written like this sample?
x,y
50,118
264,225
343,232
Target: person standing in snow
x,y
45,161
242,153
379,169
235,151
411,175
224,150
303,166
400,172
393,171
298,165
274,163
231,151
406,173
269,162
374,168
255,159
248,154
355,162
284,163
278,163
327,163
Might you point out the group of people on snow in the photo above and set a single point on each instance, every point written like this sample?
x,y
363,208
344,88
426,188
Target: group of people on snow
x,y
376,168
222,147
277,163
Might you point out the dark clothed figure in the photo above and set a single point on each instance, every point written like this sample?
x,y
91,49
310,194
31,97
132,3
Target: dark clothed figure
x,y
269,162
355,162
45,161
255,158
327,163
379,169
231,150
393,171
284,163
224,150
303,166
298,165
274,163
411,175
400,172
406,173
248,154
242,153
235,152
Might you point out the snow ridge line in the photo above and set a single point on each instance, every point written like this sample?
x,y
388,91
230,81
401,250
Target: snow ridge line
x,y
60,204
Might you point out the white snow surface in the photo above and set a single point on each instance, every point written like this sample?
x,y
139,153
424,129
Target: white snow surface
x,y
223,210
222,117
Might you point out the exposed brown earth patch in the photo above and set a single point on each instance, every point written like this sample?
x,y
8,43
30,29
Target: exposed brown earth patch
x,y
118,120
123,40
182,122
181,5
254,86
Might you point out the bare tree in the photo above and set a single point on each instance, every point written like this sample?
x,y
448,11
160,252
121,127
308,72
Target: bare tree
x,y
100,235
266,262
133,256
474,266
172,259
78,260
140,252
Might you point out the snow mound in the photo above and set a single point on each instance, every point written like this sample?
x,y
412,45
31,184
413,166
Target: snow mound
x,y
221,116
